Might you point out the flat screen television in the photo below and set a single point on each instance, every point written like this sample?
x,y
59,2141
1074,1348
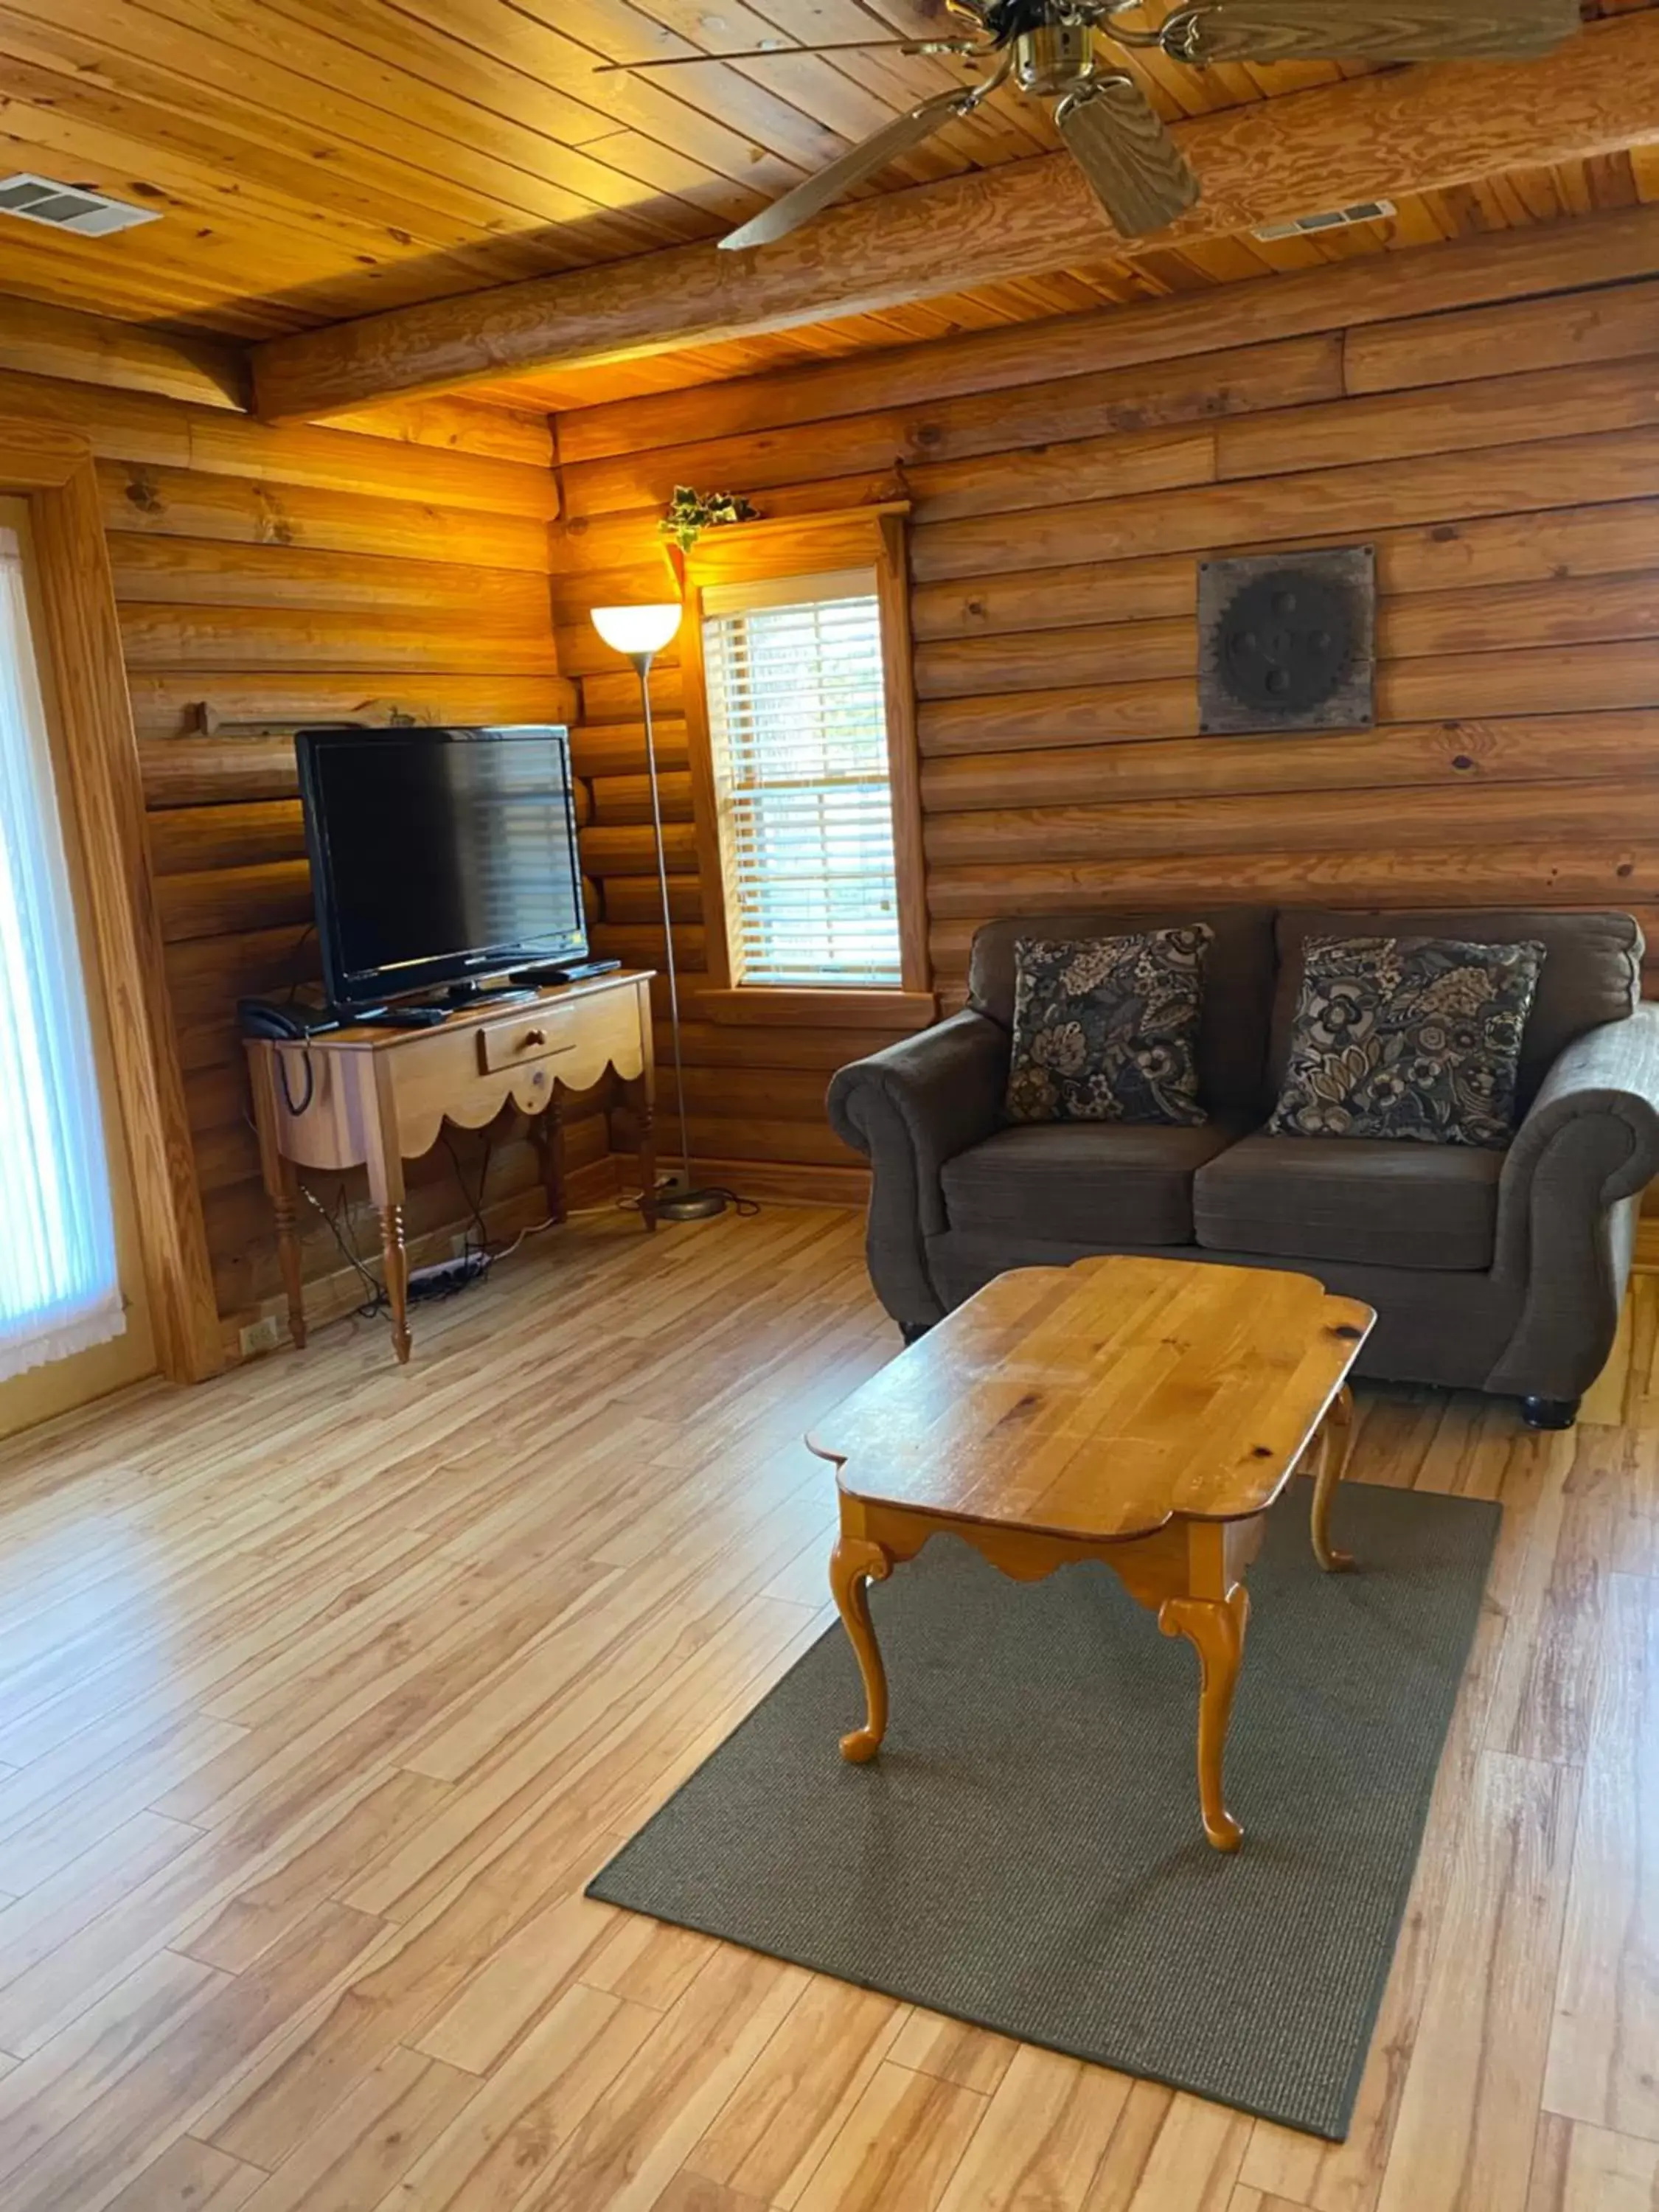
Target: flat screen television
x,y
439,855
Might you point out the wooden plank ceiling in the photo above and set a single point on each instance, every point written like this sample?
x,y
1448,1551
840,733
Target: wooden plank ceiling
x,y
316,161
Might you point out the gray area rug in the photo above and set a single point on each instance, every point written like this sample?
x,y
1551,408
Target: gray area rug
x,y
1026,1853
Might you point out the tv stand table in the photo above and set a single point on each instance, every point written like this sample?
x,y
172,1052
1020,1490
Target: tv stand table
x,y
372,1098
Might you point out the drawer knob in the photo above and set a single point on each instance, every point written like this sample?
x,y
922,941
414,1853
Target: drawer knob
x,y
535,1037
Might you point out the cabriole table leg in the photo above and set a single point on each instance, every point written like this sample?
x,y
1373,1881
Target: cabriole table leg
x,y
855,1564
1335,1450
1215,1629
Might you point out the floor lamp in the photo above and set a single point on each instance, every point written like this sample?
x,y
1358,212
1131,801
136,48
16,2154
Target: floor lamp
x,y
640,634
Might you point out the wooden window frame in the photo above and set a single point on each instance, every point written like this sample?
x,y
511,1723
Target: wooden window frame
x,y
52,471
866,537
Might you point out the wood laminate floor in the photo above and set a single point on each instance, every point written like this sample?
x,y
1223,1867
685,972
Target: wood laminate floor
x,y
323,1689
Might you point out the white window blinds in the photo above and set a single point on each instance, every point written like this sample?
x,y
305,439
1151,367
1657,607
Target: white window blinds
x,y
797,721
58,1289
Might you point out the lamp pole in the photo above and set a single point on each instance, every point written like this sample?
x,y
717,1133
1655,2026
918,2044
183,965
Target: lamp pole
x,y
639,634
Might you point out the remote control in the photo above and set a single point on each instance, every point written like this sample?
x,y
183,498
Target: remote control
x,y
404,1017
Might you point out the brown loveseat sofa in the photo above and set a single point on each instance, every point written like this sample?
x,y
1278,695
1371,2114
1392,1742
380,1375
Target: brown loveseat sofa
x,y
1496,1271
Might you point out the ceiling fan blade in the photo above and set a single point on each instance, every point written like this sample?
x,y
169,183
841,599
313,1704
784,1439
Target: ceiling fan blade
x,y
781,53
893,139
1138,173
1369,30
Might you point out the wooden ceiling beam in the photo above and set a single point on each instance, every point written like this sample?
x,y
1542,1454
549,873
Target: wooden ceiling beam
x,y
1492,268
72,348
41,340
1368,137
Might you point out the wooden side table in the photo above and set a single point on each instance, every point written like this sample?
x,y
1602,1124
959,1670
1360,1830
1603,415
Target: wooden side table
x,y
1144,1412
374,1099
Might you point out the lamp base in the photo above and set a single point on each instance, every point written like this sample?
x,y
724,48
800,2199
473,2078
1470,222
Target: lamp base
x,y
674,1204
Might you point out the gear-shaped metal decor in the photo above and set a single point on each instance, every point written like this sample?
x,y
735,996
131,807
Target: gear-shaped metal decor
x,y
1287,642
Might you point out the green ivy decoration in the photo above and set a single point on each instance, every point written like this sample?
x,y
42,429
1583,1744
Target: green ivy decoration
x,y
690,513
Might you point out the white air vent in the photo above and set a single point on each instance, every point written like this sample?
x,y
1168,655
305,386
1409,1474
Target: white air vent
x,y
1329,219
70,207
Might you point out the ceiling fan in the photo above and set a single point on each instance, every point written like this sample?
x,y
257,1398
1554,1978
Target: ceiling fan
x,y
1046,48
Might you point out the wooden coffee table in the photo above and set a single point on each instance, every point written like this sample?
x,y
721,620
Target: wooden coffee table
x,y
1147,1412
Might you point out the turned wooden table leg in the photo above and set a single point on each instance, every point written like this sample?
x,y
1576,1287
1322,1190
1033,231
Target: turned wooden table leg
x,y
1335,1450
394,1258
553,1166
1215,1629
854,1564
285,1212
645,1118
281,1179
377,1105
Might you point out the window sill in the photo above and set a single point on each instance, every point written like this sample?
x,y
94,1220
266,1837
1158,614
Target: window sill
x,y
758,1004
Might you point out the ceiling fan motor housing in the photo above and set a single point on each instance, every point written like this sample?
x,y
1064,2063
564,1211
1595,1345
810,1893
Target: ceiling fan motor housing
x,y
1055,57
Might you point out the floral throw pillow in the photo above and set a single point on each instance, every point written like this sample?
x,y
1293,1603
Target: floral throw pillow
x,y
1414,1037
1106,1028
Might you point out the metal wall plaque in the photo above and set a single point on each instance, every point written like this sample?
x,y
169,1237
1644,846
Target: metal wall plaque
x,y
1288,640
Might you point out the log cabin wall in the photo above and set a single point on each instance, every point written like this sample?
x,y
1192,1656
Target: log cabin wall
x,y
284,574
1494,434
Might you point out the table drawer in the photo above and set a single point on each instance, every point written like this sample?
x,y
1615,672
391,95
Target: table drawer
x,y
535,1033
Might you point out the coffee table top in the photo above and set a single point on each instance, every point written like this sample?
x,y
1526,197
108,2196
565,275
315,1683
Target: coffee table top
x,y
1103,1400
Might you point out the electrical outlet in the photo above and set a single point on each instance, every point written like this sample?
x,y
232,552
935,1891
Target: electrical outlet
x,y
261,1336
460,1245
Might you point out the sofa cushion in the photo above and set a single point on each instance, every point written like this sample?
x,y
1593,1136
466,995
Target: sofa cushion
x,y
1412,1039
1104,1183
1106,1028
1238,986
1592,971
1363,1199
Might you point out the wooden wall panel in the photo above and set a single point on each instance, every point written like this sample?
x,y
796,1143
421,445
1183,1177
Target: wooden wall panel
x,y
286,575
1346,295
1495,437
1111,402
180,501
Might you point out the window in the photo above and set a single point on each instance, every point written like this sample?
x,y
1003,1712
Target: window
x,y
796,689
58,1288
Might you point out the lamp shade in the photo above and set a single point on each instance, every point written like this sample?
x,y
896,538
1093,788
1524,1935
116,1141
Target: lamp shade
x,y
636,629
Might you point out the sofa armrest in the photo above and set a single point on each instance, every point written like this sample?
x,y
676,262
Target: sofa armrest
x,y
910,1110
1571,1187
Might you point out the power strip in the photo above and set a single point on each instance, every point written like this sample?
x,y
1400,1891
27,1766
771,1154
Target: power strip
x,y
446,1277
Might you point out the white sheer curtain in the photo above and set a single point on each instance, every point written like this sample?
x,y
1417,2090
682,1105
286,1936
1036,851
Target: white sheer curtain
x,y
58,1289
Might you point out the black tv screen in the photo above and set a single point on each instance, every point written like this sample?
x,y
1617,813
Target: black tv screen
x,y
439,853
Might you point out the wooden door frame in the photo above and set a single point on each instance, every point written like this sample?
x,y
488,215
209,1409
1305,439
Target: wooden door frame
x,y
53,471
